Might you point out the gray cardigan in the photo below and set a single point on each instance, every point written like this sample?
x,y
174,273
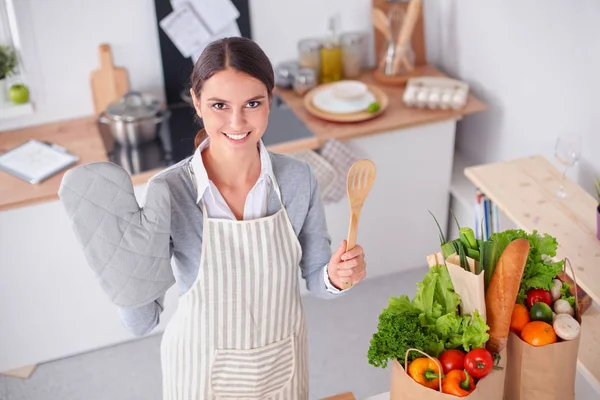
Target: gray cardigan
x,y
302,200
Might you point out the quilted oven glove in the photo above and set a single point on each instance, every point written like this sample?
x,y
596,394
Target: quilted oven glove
x,y
128,247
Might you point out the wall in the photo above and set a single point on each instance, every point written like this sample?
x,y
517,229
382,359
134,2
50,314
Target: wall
x,y
59,56
535,64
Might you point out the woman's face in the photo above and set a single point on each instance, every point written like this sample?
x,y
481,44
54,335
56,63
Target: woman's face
x,y
234,107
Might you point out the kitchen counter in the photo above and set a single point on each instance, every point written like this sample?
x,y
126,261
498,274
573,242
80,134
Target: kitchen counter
x,y
81,137
397,115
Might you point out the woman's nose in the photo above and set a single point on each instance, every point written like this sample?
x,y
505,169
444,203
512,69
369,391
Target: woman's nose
x,y
237,121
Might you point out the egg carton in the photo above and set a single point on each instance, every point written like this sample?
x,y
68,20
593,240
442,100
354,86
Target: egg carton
x,y
435,93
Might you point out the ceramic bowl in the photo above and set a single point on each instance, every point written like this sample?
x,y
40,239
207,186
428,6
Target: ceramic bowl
x,y
349,90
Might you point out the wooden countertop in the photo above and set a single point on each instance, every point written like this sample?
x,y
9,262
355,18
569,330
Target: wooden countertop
x,y
397,116
81,137
524,190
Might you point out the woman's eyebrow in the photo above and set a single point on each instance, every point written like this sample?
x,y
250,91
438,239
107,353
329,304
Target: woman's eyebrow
x,y
259,97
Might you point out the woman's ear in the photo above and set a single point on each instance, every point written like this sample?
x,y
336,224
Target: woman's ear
x,y
196,103
271,94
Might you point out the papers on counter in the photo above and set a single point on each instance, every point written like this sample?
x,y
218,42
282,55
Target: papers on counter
x,y
35,161
193,24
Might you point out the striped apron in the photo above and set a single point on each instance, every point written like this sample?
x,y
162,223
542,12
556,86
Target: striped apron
x,y
239,332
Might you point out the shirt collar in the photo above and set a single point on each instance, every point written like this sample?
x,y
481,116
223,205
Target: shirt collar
x,y
202,181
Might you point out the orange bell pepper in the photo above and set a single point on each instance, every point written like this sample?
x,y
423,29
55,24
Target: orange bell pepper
x,y
425,372
458,383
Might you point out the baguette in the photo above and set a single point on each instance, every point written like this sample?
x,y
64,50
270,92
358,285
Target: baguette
x,y
502,292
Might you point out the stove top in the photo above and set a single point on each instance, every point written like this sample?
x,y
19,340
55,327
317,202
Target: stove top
x,y
176,138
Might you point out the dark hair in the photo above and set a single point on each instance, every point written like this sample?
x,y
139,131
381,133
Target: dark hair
x,y
239,53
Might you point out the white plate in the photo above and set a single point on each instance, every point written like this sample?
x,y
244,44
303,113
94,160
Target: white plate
x,y
326,101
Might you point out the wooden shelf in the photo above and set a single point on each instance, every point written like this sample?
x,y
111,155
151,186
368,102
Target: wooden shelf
x,y
524,189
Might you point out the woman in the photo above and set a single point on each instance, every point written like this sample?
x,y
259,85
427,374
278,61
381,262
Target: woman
x,y
240,221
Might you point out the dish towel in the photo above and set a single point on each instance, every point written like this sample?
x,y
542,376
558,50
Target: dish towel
x,y
341,157
325,173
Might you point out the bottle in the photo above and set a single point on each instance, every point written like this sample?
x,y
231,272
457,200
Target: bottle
x,y
331,55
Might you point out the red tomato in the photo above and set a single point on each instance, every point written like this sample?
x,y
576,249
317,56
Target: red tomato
x,y
537,295
452,359
479,362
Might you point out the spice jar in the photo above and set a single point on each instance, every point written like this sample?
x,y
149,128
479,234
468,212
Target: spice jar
x,y
353,53
285,73
309,54
305,80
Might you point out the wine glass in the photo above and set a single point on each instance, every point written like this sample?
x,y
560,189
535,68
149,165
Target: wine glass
x,y
567,151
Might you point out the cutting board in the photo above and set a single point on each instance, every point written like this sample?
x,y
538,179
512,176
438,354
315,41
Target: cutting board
x,y
109,83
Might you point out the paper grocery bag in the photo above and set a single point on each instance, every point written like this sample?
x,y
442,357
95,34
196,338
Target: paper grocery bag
x,y
545,372
403,387
470,287
541,373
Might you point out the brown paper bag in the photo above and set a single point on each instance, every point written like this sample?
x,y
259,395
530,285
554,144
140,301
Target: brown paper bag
x,y
544,372
470,287
403,387
541,373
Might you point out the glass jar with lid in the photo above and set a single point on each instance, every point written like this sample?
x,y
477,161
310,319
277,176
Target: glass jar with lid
x,y
305,80
354,53
309,54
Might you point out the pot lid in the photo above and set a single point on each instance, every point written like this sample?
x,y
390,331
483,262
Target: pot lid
x,y
134,106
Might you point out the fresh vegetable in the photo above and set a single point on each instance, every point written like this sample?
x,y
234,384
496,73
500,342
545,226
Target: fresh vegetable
x,y
479,362
555,290
399,330
566,327
541,312
438,304
502,293
425,371
373,107
520,318
452,359
458,383
465,246
563,307
430,322
538,333
490,253
540,270
565,294
536,295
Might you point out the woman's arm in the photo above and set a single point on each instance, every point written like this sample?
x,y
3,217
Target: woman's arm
x,y
127,247
316,246
142,320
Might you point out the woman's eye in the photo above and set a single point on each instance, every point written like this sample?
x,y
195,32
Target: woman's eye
x,y
253,104
219,106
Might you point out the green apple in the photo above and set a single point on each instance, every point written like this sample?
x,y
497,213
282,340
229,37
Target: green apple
x,y
19,93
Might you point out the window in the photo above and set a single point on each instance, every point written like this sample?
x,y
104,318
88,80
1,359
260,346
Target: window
x,y
12,106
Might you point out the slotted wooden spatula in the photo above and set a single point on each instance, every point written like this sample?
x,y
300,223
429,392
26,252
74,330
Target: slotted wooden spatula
x,y
358,184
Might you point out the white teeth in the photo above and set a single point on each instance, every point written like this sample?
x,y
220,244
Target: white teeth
x,y
237,137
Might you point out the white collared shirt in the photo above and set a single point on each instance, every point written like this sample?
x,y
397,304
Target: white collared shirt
x,y
256,201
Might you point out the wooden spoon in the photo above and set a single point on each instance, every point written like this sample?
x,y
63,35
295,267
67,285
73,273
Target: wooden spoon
x,y
358,184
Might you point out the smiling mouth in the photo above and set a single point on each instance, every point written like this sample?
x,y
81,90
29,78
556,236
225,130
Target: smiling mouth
x,y
236,136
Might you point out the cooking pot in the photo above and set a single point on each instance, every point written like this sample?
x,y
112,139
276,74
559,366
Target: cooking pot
x,y
135,119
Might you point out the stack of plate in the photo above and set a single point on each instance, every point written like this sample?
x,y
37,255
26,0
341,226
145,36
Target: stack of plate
x,y
345,101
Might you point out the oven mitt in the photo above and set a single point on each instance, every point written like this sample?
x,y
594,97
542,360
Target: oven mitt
x,y
127,247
